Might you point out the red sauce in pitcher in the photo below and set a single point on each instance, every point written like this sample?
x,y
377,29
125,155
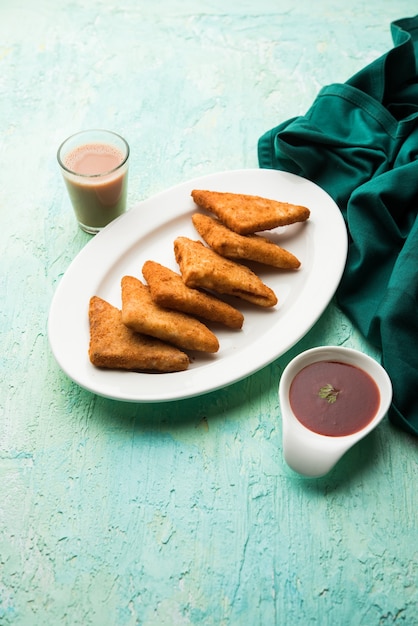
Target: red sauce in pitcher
x,y
334,399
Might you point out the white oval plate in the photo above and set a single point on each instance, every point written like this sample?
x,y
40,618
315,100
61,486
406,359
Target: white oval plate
x,y
147,232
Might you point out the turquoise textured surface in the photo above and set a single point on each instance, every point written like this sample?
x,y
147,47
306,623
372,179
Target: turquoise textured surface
x,y
116,514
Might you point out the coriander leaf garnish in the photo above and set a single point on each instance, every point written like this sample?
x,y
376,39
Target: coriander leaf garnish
x,y
328,393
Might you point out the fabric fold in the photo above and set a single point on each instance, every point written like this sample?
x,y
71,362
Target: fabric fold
x,y
359,142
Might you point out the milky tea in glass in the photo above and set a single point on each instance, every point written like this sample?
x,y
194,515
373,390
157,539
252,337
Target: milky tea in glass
x,y
94,165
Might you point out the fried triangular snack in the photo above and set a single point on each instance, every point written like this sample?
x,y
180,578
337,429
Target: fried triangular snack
x,y
246,214
169,291
204,268
230,244
115,346
143,315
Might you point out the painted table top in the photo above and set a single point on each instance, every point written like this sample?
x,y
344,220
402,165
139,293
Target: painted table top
x,y
123,514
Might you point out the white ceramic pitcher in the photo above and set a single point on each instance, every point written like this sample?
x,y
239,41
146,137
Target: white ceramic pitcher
x,y
309,453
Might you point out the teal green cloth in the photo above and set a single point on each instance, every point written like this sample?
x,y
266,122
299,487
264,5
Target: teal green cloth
x,y
359,142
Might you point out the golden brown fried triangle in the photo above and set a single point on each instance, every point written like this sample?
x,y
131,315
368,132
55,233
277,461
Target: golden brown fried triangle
x,y
169,291
246,214
230,244
115,346
142,314
204,268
